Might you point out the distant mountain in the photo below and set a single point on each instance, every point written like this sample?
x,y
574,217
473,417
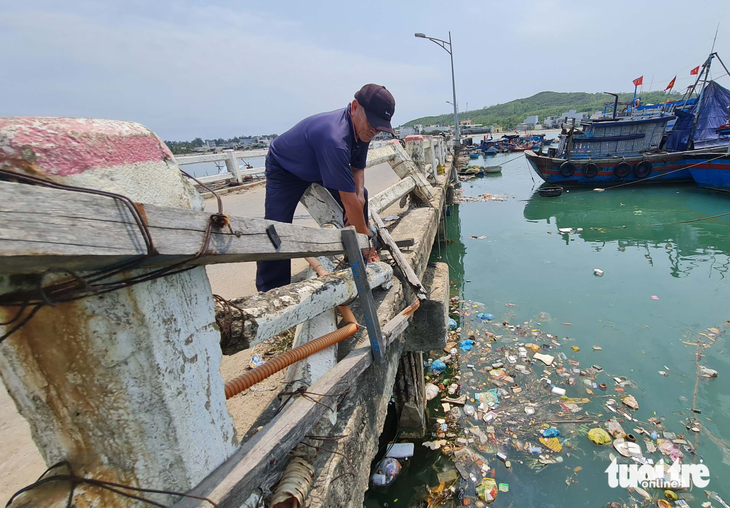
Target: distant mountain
x,y
543,104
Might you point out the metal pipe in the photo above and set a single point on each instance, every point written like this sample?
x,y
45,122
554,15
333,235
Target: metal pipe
x,y
284,360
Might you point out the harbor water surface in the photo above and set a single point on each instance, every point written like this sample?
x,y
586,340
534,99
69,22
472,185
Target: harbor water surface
x,y
666,280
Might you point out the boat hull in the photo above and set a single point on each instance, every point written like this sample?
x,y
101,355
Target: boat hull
x,y
665,167
712,174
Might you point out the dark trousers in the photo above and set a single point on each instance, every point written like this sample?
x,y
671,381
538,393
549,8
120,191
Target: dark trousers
x,y
283,192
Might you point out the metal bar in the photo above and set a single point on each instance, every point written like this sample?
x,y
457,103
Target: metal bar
x,y
370,314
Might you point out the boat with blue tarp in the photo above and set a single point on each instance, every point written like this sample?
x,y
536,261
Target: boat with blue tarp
x,y
642,146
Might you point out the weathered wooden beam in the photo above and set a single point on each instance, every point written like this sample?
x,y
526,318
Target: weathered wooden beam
x,y
219,156
268,314
392,194
43,228
400,260
268,449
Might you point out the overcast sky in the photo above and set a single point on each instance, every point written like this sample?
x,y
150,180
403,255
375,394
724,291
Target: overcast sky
x,y
234,68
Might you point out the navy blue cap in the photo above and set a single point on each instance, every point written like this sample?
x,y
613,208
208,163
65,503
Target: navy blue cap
x,y
379,106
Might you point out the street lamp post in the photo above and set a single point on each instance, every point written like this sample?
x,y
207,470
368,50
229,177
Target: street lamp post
x,y
450,51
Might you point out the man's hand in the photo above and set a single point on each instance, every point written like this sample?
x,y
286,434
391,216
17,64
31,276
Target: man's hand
x,y
371,255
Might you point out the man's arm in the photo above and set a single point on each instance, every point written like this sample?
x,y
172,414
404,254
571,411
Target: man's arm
x,y
356,217
354,212
359,176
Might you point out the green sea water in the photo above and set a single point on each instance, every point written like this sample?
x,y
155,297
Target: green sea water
x,y
666,280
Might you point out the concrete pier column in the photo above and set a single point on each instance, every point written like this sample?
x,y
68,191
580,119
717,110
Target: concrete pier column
x,y
415,148
126,385
409,392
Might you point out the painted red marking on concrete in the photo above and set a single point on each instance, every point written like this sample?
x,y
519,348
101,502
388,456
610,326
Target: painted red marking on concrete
x,y
69,146
414,137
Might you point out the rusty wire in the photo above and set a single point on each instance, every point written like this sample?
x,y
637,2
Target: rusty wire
x,y
302,392
77,287
75,481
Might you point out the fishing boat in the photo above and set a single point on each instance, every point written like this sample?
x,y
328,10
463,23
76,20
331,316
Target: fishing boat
x,y
615,150
473,155
492,169
490,151
713,173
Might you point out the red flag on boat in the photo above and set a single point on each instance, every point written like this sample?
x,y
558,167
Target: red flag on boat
x,y
695,71
639,81
671,84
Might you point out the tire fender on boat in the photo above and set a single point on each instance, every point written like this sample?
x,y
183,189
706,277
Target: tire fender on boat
x,y
590,170
642,169
567,169
622,170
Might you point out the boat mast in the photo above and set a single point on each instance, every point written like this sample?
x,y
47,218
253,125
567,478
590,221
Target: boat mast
x,y
699,98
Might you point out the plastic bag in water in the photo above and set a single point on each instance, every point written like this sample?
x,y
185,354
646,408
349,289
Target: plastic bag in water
x,y
466,345
438,366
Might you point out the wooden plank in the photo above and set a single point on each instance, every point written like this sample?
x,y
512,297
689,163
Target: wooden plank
x,y
42,228
219,156
392,194
233,480
369,311
400,260
268,314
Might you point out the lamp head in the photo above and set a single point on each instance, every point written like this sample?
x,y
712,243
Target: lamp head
x,y
420,35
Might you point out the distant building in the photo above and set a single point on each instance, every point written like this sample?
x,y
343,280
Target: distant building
x,y
264,141
466,122
551,122
496,128
210,143
247,141
568,116
533,119
524,126
436,128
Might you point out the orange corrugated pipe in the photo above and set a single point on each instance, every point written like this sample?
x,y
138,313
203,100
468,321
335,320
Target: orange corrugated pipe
x,y
284,360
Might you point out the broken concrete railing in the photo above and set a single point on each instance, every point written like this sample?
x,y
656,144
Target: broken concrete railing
x,y
234,173
268,314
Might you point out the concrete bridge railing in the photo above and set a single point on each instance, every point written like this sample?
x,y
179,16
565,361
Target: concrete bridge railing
x,y
109,346
234,173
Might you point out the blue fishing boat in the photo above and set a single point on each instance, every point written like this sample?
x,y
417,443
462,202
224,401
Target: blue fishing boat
x,y
490,151
637,147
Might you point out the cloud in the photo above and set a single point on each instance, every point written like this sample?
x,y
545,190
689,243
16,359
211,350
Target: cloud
x,y
209,71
